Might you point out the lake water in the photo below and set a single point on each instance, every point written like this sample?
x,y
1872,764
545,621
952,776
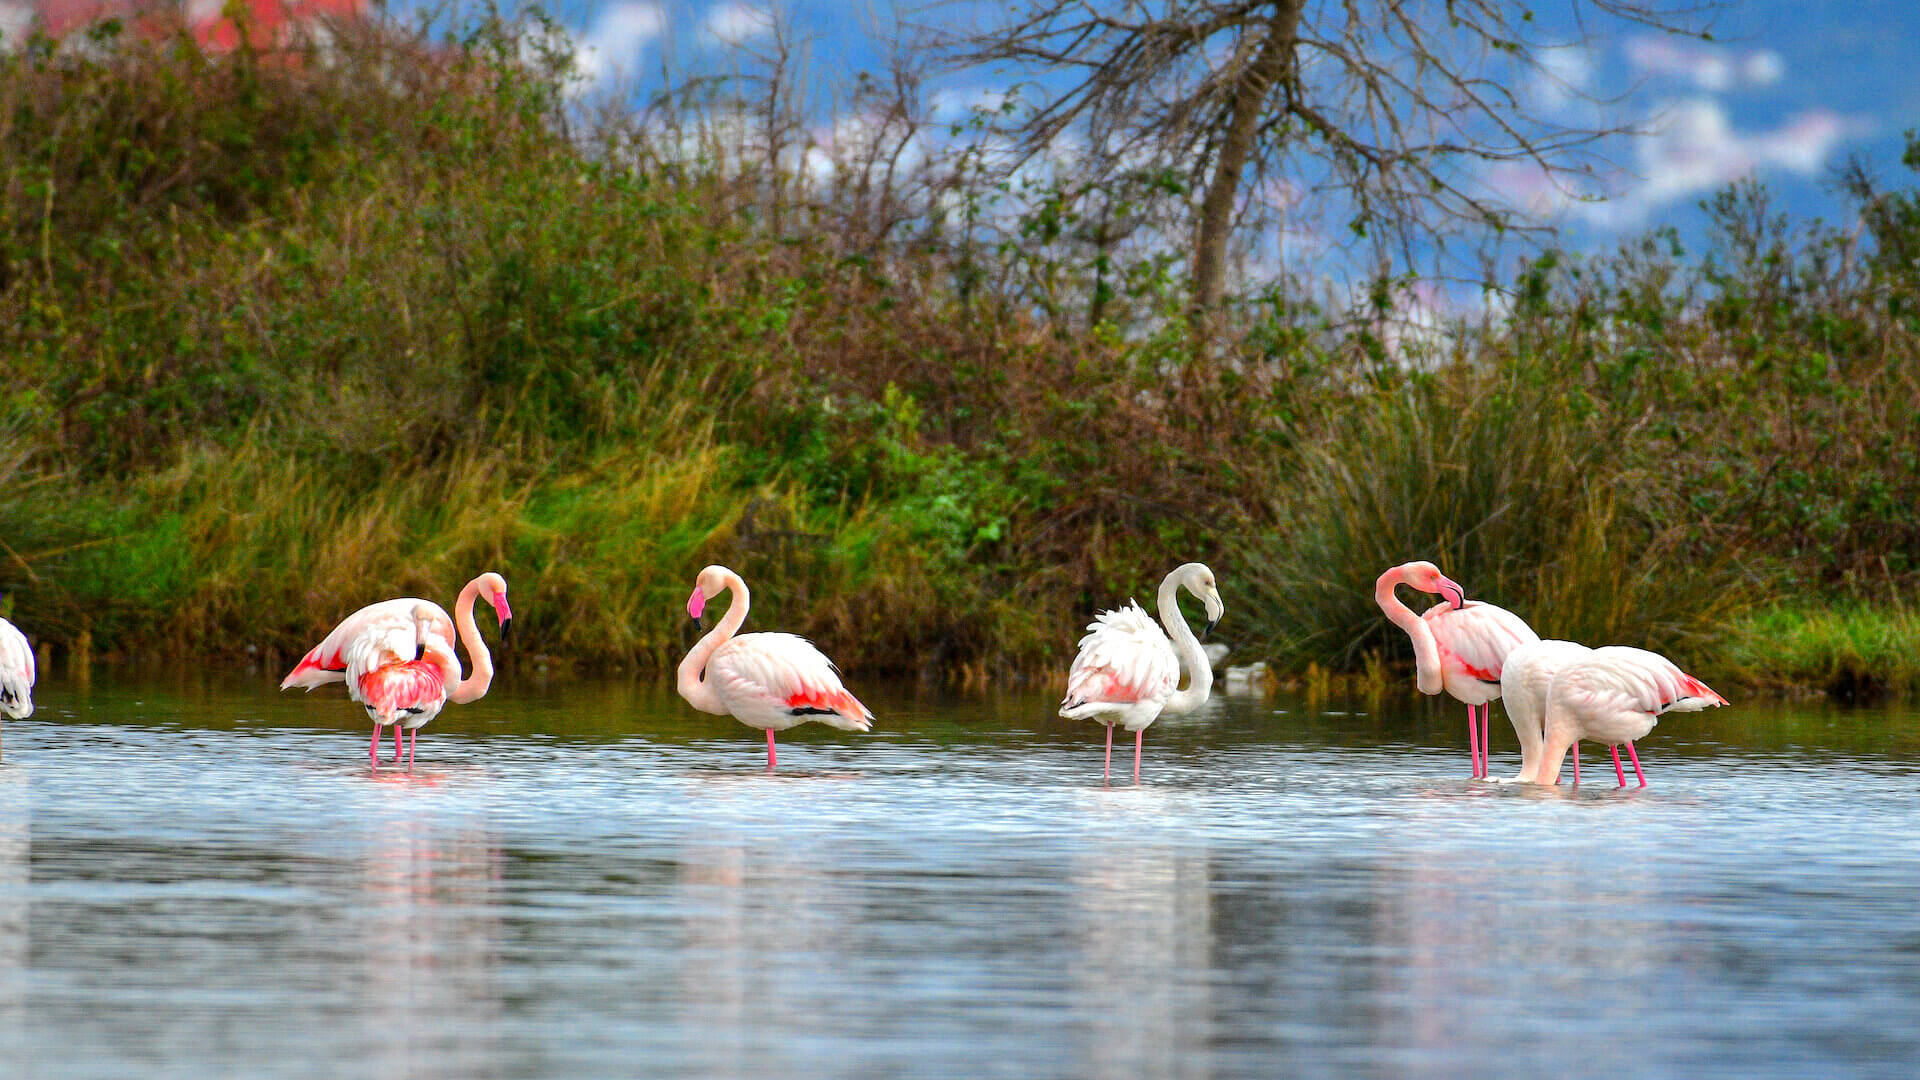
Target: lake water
x,y
204,878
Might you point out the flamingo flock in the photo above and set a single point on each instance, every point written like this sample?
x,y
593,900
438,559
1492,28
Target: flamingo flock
x,y
399,661
1558,692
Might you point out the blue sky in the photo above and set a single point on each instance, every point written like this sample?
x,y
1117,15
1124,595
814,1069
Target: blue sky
x,y
1786,92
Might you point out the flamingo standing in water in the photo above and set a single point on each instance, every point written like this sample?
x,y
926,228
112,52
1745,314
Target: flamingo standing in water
x,y
397,659
1459,646
1128,668
768,681
1616,695
16,673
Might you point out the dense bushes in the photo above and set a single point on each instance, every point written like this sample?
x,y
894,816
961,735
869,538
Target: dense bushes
x,y
285,333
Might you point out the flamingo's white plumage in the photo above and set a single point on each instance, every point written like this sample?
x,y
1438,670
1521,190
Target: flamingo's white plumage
x,y
16,673
397,659
1459,645
1614,695
1128,670
766,681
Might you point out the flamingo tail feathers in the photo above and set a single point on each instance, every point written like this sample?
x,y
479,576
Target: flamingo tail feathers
x,y
315,670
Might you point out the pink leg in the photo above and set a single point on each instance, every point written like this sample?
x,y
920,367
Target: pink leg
x,y
374,750
1636,766
1473,741
1486,740
1107,773
1576,764
396,744
1137,737
770,757
1617,771
412,737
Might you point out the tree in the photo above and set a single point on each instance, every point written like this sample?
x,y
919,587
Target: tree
x,y
1384,109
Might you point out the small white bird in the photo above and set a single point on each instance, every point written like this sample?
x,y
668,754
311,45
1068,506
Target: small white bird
x,y
768,681
16,673
1616,695
1128,669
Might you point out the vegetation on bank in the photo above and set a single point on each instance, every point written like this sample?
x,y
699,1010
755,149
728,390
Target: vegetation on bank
x,y
281,335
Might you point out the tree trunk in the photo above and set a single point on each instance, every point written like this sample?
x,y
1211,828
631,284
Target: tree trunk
x,y
1255,81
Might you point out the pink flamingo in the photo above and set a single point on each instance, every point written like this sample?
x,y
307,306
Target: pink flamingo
x,y
1459,645
16,673
1128,669
768,681
397,659
1616,695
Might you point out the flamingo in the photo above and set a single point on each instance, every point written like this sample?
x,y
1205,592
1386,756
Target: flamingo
x,y
397,659
1616,695
1459,646
1128,669
1524,681
16,673
768,681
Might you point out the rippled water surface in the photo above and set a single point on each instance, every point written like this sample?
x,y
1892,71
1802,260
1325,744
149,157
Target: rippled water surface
x,y
592,880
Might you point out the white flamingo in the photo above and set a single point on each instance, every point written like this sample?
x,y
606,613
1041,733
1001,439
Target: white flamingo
x,y
16,673
1128,669
768,681
397,659
1616,695
1459,645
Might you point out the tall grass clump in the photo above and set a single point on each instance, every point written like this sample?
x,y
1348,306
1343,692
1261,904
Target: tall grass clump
x,y
1522,489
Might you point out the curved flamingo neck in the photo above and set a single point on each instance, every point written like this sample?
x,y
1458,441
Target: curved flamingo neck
x,y
691,678
1426,652
474,686
1199,671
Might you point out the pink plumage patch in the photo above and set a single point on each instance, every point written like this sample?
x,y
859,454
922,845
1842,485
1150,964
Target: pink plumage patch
x,y
832,700
414,684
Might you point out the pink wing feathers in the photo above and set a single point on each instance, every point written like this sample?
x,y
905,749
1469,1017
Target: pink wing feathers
x,y
1478,636
327,662
1660,685
789,672
395,663
1125,657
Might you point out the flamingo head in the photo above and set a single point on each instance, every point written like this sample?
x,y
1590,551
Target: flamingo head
x,y
494,588
1200,582
711,583
1427,578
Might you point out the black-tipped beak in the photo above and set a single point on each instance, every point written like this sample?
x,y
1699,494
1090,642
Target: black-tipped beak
x,y
506,631
1208,629
696,624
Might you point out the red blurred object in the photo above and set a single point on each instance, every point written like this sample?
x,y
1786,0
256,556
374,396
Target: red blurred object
x,y
271,22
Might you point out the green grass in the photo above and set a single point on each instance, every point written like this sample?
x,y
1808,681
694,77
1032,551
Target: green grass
x,y
1852,651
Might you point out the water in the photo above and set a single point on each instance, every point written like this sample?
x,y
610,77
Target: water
x,y
204,879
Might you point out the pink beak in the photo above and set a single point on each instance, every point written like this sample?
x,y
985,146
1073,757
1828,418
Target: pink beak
x,y
1454,594
501,609
696,604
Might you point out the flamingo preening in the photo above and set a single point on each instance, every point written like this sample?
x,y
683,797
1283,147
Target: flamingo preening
x,y
397,659
1128,669
768,681
1459,645
16,673
1614,695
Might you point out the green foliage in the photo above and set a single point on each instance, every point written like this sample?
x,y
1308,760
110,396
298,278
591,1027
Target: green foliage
x,y
282,335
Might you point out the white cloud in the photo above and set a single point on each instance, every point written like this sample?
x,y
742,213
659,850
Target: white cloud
x,y
1694,148
1565,75
612,48
735,23
1708,67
